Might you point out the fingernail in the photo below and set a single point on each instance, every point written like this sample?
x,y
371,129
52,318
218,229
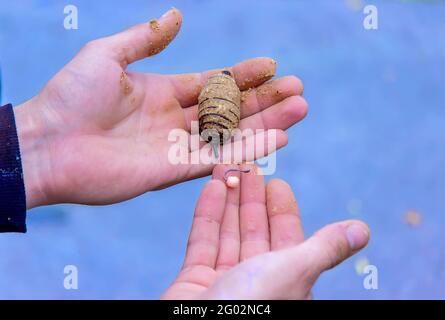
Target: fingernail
x,y
357,235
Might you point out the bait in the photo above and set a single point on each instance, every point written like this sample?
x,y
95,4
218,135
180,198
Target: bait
x,y
233,181
219,109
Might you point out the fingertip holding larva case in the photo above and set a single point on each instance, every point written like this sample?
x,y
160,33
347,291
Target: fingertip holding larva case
x,y
219,108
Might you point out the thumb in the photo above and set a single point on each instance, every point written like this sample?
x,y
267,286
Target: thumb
x,y
290,273
329,247
145,39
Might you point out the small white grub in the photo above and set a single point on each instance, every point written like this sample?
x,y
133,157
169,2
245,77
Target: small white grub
x,y
232,182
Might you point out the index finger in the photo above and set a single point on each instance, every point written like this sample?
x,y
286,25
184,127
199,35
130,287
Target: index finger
x,y
203,244
248,74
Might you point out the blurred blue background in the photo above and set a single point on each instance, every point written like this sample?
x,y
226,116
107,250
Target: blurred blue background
x,y
372,146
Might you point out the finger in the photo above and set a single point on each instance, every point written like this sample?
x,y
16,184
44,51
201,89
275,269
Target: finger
x,y
203,244
248,74
229,237
254,225
282,115
145,39
253,146
258,99
327,248
284,216
278,116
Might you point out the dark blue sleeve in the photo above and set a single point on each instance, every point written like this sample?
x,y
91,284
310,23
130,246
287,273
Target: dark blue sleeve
x,y
12,188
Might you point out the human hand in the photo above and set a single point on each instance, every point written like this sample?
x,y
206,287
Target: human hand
x,y
248,243
98,134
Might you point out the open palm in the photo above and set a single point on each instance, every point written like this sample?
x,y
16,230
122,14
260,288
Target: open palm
x,y
104,130
248,243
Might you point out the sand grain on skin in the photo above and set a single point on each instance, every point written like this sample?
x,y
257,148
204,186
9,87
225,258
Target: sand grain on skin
x,y
154,25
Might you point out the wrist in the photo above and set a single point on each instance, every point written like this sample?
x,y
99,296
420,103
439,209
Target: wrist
x,y
34,146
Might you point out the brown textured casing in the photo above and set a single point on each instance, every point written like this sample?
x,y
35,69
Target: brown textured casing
x,y
219,105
